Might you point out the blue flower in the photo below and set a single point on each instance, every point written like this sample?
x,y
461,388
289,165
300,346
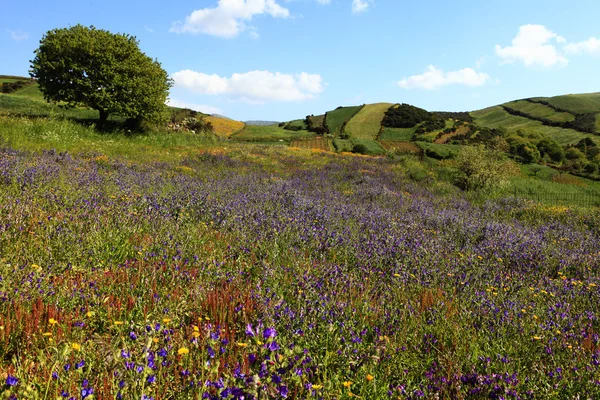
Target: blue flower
x,y
269,333
151,379
273,346
125,354
86,392
80,364
211,352
12,381
250,331
132,335
283,391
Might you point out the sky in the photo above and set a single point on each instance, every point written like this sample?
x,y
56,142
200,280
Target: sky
x,y
284,59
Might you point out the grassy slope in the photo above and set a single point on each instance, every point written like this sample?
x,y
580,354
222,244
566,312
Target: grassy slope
x,y
225,127
336,118
367,122
576,103
268,133
400,134
496,117
540,111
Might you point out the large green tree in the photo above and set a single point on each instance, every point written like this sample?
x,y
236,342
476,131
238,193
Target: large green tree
x,y
104,71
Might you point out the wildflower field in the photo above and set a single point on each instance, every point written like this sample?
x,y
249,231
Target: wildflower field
x,y
259,272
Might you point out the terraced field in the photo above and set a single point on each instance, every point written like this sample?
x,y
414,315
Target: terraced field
x,y
316,143
496,117
335,119
268,133
537,110
367,122
399,134
400,147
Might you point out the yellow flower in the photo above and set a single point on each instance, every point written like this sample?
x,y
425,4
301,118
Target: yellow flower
x,y
155,340
90,314
166,320
183,350
118,322
240,344
196,334
537,338
52,321
317,387
196,329
347,384
35,266
397,276
370,377
76,346
47,334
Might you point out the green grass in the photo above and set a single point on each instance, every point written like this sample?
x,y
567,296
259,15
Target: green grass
x,y
576,103
439,151
30,91
398,134
537,110
367,122
25,106
268,133
342,145
8,80
496,117
36,134
598,122
335,119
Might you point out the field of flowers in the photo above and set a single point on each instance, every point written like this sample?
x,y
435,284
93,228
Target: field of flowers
x,y
224,275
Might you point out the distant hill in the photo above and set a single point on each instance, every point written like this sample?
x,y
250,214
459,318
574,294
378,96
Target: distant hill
x,y
261,123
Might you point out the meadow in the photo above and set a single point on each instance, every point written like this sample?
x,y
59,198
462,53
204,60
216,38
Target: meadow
x,y
246,271
173,265
337,118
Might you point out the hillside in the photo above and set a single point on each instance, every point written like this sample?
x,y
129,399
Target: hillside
x,y
562,132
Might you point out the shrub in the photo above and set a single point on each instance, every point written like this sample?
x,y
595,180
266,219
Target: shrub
x,y
360,149
404,116
479,168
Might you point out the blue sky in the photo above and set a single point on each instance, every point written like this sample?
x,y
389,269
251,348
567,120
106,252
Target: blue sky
x,y
285,59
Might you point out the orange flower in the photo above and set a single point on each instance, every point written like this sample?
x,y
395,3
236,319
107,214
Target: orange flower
x,y
370,377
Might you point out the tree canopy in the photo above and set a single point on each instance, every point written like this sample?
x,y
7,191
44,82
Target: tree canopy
x,y
101,70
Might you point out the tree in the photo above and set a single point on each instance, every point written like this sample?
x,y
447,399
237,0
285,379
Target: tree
x,y
101,70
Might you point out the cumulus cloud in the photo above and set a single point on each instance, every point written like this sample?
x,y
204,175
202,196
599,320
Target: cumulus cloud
x,y
590,46
18,35
434,78
253,86
359,6
534,47
196,107
229,18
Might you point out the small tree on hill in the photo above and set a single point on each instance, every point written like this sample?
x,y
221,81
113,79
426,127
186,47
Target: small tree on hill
x,y
101,70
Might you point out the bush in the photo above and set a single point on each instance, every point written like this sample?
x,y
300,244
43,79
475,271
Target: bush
x,y
528,153
552,149
479,168
360,149
404,116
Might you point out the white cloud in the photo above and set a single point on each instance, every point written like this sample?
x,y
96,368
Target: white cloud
x,y
533,47
359,6
227,20
434,78
590,46
253,86
196,107
146,27
18,35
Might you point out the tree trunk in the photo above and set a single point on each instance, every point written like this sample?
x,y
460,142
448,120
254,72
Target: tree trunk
x,y
103,119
